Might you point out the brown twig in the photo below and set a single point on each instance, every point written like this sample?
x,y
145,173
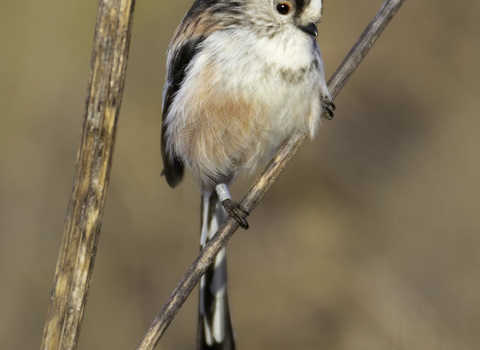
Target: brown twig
x,y
268,177
94,159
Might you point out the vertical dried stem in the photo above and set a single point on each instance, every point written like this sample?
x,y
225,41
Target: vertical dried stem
x,y
261,186
94,161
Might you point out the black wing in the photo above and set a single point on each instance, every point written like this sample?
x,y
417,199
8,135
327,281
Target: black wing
x,y
173,166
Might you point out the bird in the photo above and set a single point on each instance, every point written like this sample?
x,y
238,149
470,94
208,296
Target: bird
x,y
242,77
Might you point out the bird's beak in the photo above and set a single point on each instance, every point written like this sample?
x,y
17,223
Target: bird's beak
x,y
310,29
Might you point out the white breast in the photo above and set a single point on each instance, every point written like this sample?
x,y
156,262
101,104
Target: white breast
x,y
257,67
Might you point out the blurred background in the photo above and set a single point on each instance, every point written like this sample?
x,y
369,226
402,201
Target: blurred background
x,y
369,239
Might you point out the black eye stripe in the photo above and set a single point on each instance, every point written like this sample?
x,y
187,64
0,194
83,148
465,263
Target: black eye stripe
x,y
301,4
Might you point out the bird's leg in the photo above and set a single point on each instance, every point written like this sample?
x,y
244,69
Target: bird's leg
x,y
235,210
328,108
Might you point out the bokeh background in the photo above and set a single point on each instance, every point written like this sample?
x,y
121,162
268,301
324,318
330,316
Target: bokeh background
x,y
369,239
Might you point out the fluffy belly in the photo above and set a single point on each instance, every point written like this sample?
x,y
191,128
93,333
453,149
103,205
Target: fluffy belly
x,y
227,133
220,136
229,119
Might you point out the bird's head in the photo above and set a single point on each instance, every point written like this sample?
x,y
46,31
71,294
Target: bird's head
x,y
280,15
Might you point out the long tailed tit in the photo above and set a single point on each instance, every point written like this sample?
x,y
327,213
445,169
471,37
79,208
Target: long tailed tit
x,y
242,76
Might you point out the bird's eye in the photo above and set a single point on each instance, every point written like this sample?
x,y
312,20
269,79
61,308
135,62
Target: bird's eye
x,y
283,8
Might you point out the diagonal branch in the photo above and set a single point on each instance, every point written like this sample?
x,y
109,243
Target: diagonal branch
x,y
268,177
94,161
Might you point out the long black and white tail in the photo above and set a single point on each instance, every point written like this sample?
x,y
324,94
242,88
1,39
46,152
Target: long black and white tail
x,y
215,328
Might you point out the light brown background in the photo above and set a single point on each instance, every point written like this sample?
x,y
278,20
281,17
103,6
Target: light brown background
x,y
369,240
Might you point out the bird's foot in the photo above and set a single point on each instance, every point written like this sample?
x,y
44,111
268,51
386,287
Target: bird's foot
x,y
237,212
328,108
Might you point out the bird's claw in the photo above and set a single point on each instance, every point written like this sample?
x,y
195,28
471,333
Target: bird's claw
x,y
237,212
328,108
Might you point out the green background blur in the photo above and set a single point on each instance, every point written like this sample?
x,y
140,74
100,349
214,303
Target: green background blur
x,y
369,239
